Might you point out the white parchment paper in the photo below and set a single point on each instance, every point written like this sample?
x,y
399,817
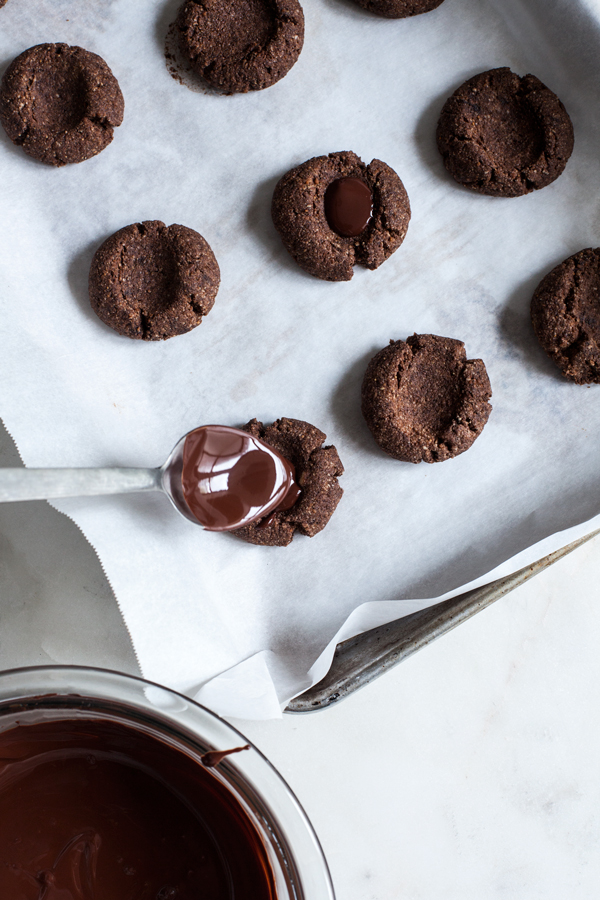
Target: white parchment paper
x,y
240,626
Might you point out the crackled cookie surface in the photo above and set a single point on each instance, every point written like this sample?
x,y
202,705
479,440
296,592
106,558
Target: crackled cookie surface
x,y
60,103
302,215
241,45
503,135
565,312
424,400
400,9
151,282
317,471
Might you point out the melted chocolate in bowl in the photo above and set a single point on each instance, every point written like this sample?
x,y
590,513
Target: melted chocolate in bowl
x,y
348,206
229,478
96,810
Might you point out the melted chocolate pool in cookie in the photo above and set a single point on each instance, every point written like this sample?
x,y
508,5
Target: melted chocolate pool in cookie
x,y
94,809
229,478
348,206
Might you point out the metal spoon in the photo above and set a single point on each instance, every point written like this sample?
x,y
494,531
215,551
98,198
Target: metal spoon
x,y
218,477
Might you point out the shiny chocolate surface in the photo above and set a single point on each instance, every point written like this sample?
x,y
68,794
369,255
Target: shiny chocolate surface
x,y
348,206
230,478
97,810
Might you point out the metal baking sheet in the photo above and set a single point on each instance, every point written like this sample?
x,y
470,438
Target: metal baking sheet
x,y
361,660
207,615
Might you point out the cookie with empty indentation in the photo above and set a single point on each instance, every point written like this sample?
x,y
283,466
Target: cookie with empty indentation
x,y
334,212
424,400
400,9
151,282
241,45
61,104
504,135
565,312
317,471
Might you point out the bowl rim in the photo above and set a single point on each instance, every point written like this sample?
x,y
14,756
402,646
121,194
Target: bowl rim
x,y
327,889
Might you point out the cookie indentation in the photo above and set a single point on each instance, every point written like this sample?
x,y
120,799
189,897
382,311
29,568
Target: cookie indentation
x,y
151,282
399,9
565,312
424,400
60,103
348,206
503,135
317,471
58,96
241,45
299,215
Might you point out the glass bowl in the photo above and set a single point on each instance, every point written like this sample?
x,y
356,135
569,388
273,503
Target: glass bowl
x,y
43,693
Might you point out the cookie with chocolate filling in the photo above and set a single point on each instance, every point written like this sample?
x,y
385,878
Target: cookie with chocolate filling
x,y
2,2
61,104
400,9
334,212
241,45
151,282
424,400
565,312
317,471
503,135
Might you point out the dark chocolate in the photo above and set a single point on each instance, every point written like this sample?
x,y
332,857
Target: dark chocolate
x,y
229,478
299,215
214,757
97,809
348,206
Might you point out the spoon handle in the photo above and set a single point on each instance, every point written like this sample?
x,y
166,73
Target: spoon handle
x,y
48,484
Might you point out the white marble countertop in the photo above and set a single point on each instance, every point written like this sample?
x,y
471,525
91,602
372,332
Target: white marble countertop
x,y
470,771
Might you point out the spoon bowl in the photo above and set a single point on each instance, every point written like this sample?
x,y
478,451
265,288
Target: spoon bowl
x,y
218,477
224,478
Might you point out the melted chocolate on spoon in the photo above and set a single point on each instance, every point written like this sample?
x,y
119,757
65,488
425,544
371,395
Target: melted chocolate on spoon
x,y
230,478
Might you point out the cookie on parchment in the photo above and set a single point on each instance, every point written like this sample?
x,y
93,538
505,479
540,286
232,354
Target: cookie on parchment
x,y
565,312
400,9
504,135
60,103
424,400
317,471
241,45
334,212
151,282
